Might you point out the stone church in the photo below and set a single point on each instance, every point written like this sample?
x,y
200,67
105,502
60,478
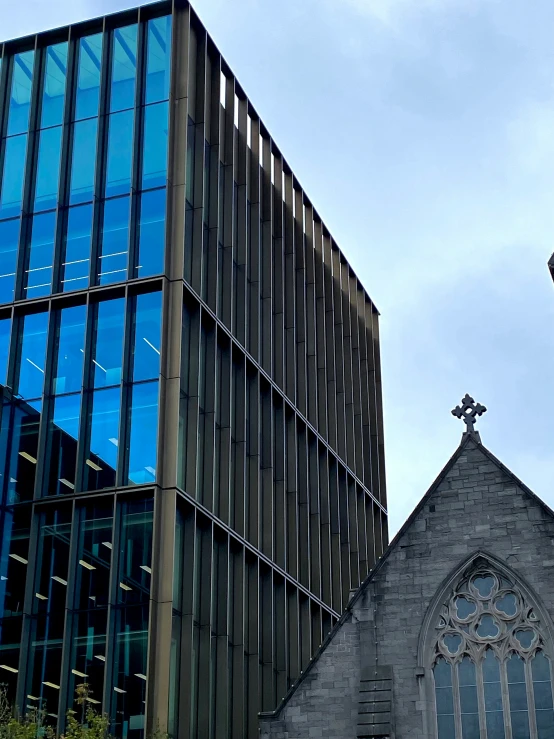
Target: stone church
x,y
451,635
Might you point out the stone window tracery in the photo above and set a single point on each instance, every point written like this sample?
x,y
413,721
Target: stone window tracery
x,y
492,663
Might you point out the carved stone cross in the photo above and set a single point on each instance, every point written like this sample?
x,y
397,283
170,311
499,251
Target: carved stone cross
x,y
468,410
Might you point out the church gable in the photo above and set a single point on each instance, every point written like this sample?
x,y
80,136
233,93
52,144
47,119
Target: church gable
x,y
475,506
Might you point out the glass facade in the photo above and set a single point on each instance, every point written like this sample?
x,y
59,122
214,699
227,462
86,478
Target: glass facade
x,y
191,449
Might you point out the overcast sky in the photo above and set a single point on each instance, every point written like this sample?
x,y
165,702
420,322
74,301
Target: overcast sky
x,y
423,132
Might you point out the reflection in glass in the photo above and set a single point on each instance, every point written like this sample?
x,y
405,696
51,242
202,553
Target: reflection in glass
x,y
130,664
52,560
9,239
48,169
154,157
62,444
14,172
69,350
444,699
158,59
115,241
468,699
107,355
88,76
94,556
45,659
14,560
88,655
76,264
53,95
143,433
83,161
33,354
10,641
135,553
120,153
101,462
493,696
147,336
20,427
20,97
518,697
542,689
5,333
124,68
41,255
151,233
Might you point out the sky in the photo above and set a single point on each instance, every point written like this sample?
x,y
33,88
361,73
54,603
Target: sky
x,y
423,132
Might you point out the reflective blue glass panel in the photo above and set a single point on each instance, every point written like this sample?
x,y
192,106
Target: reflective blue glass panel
x,y
115,241
9,239
76,264
120,153
143,433
5,333
53,560
130,666
151,233
89,642
20,97
101,463
62,445
33,355
88,76
147,339
107,354
24,423
45,659
124,68
15,557
154,156
83,161
135,554
41,257
48,169
95,546
53,95
70,348
14,173
158,59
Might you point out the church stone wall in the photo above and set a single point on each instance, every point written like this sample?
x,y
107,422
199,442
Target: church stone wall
x,y
476,507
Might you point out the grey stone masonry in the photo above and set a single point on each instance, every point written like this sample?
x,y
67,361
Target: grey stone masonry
x,y
367,676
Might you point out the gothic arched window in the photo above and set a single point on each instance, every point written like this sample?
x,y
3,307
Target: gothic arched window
x,y
492,662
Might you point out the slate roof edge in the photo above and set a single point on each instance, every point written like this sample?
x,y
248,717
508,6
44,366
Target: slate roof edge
x,y
467,438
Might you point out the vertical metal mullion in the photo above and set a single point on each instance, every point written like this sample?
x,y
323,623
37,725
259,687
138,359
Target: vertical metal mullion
x,y
67,646
298,337
310,316
320,340
382,489
201,105
227,237
113,592
254,238
86,394
126,389
240,315
347,360
357,383
266,260
5,84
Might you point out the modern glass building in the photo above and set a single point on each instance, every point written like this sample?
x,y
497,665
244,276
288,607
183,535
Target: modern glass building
x,y
191,447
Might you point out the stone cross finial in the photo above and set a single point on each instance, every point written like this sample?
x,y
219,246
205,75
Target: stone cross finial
x,y
468,410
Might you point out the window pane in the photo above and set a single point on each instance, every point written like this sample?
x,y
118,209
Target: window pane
x,y
68,373
154,161
48,169
444,700
143,433
10,642
493,696
53,561
101,463
62,444
41,257
45,659
20,427
468,699
542,689
33,351
76,266
88,76
124,67
83,162
518,697
89,653
130,665
151,233
20,98
15,558
135,554
14,172
147,339
107,354
54,85
94,556
158,59
5,333
9,239
115,241
120,153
